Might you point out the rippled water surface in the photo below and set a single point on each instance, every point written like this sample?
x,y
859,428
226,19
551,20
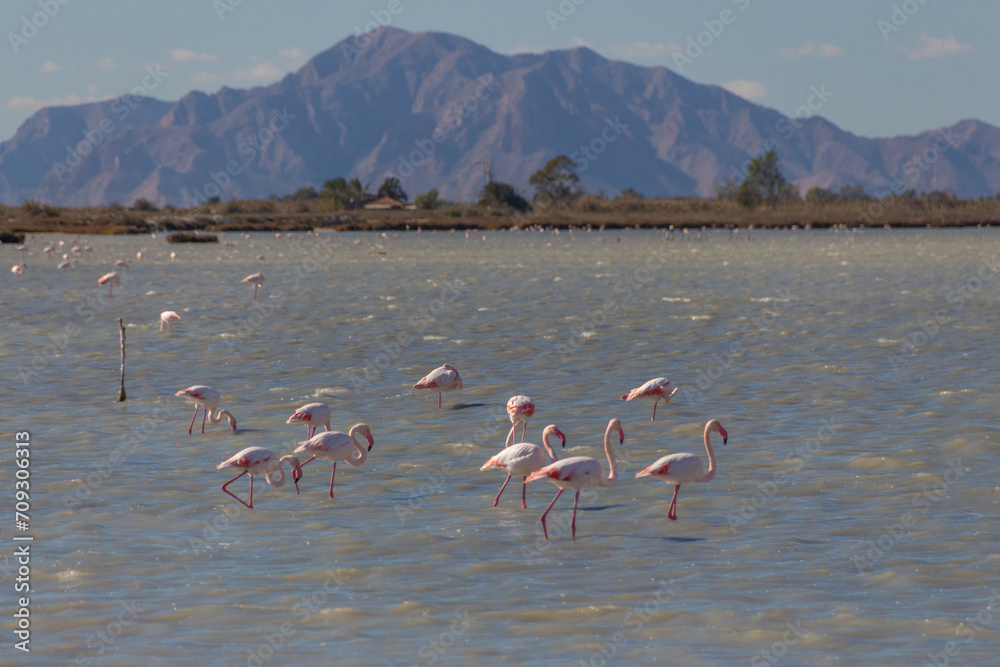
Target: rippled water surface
x,y
851,521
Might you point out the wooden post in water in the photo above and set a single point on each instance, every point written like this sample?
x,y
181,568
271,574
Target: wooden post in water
x,y
121,331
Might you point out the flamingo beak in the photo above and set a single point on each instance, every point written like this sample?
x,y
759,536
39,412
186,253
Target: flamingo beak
x,y
371,441
562,439
296,476
724,434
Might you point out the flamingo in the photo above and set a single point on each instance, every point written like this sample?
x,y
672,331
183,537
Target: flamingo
x,y
208,398
257,460
167,318
18,269
336,446
313,414
443,378
579,472
520,409
523,458
654,390
111,279
679,468
257,279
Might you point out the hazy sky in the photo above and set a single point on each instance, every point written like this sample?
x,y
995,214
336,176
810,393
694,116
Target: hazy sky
x,y
888,66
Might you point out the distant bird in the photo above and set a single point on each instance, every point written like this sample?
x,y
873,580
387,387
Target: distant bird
x,y
257,279
520,409
312,415
65,264
579,472
18,269
47,249
655,390
138,255
443,378
167,318
679,468
523,458
173,256
209,399
257,460
336,446
123,263
110,279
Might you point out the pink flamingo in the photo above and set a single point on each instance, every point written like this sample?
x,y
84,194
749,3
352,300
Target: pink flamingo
x,y
257,279
580,472
18,269
208,398
257,460
110,279
167,318
523,458
443,378
520,409
313,415
654,390
679,468
336,446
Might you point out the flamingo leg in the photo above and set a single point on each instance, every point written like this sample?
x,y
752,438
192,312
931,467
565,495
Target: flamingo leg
x,y
672,511
655,403
572,526
544,529
439,399
255,292
524,490
499,493
523,430
233,495
193,417
204,416
332,477
308,462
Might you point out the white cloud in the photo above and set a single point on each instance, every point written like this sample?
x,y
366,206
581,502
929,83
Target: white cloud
x,y
186,56
48,67
811,50
104,65
293,53
748,90
938,47
33,103
206,78
646,50
261,72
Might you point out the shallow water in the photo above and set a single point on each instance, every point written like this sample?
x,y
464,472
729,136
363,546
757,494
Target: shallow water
x,y
851,521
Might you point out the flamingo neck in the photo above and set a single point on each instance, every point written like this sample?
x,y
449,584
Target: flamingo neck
x,y
711,456
510,436
216,417
280,480
545,443
613,474
362,451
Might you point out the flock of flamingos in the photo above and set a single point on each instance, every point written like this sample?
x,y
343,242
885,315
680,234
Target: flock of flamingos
x,y
523,459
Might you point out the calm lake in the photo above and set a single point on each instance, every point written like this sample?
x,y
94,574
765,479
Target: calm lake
x,y
851,521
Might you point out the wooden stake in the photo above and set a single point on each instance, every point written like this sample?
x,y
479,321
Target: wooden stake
x,y
121,331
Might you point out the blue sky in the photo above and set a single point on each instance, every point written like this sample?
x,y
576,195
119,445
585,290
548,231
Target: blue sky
x,y
889,66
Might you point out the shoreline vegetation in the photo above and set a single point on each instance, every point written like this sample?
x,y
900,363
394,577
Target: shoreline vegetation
x,y
620,212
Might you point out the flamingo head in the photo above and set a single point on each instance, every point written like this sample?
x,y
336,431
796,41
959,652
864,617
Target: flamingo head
x,y
366,431
616,425
296,469
717,427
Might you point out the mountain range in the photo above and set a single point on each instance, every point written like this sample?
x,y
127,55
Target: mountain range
x,y
435,110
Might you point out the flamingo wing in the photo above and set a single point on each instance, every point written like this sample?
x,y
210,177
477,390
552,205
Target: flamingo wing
x,y
676,468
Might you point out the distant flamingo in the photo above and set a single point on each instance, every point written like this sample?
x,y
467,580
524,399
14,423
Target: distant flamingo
x,y
443,378
257,460
167,318
523,458
579,472
18,269
111,279
257,279
679,468
520,409
336,446
312,414
654,390
209,399
173,256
